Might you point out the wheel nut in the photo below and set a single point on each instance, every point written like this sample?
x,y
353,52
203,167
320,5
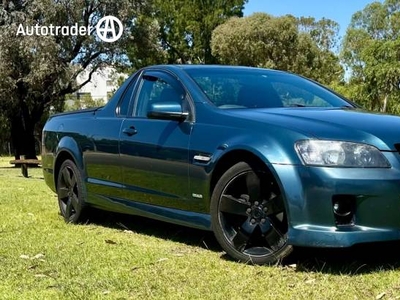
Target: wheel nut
x,y
253,221
265,209
256,203
248,210
263,221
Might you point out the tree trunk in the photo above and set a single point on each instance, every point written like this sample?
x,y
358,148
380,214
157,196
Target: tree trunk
x,y
385,101
30,143
23,134
16,132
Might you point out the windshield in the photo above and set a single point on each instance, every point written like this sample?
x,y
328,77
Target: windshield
x,y
230,88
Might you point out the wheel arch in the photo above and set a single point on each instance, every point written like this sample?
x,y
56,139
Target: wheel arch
x,y
67,149
233,157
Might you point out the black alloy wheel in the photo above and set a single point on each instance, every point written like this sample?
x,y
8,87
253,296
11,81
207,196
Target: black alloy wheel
x,y
71,193
249,217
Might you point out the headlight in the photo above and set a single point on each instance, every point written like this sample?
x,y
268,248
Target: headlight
x,y
340,154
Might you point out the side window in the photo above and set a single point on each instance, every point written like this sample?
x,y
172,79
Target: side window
x,y
123,105
156,90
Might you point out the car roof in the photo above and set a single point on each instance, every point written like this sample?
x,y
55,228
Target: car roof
x,y
188,67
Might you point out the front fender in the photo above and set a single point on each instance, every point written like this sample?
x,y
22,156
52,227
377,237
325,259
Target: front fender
x,y
270,150
219,147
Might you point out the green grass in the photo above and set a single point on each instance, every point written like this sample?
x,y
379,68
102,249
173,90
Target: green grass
x,y
122,257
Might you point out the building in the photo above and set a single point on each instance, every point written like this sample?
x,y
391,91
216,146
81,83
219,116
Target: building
x,y
103,84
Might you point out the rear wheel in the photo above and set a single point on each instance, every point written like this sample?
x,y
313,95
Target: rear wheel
x,y
71,193
249,217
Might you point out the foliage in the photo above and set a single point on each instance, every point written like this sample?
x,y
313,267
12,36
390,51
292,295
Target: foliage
x,y
371,52
284,43
37,71
4,135
76,102
179,31
324,32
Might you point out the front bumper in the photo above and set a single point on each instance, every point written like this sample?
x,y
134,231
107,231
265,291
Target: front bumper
x,y
309,194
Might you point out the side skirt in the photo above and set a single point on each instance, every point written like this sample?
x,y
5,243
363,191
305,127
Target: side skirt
x,y
175,216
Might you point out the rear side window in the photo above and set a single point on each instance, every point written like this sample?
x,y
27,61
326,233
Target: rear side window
x,y
123,105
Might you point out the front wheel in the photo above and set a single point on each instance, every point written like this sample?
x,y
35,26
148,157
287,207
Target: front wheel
x,y
71,193
248,216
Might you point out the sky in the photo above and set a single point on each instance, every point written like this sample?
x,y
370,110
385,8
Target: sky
x,y
337,10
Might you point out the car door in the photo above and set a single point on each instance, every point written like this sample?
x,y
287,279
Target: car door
x,y
154,151
102,160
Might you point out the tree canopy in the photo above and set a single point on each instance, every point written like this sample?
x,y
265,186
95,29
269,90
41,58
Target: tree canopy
x,y
38,70
179,31
371,53
298,45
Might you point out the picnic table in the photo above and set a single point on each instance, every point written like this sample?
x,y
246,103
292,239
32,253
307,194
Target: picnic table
x,y
25,163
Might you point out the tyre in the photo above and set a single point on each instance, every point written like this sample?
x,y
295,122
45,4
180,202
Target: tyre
x,y
248,216
71,193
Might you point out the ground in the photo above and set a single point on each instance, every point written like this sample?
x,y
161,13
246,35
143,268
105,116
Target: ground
x,y
121,257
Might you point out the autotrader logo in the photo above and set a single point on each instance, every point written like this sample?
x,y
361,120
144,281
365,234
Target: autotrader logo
x,y
109,29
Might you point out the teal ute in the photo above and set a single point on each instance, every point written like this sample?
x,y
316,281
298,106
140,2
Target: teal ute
x,y
265,159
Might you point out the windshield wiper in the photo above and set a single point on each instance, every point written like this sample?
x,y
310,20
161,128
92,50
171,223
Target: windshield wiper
x,y
348,107
297,105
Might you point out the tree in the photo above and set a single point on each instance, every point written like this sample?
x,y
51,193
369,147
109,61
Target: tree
x,y
371,53
324,32
284,43
38,70
4,135
179,31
